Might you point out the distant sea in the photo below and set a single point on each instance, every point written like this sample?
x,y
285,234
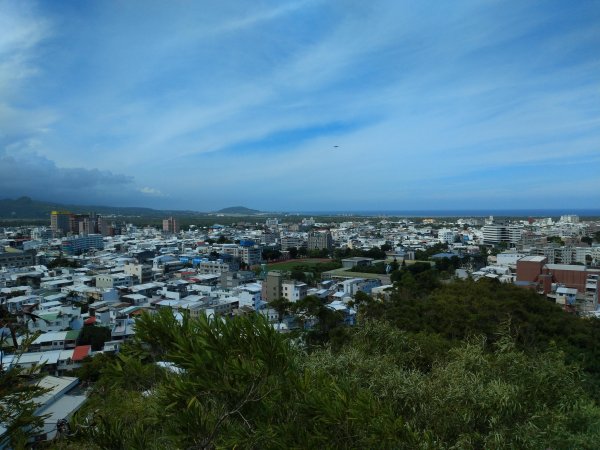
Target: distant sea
x,y
460,213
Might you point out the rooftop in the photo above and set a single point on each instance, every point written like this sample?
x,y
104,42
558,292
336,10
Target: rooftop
x,y
533,259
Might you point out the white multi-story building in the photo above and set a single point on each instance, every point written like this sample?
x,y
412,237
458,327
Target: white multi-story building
x,y
80,244
294,291
114,280
446,236
500,231
515,232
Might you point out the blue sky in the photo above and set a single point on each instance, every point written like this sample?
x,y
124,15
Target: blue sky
x,y
202,105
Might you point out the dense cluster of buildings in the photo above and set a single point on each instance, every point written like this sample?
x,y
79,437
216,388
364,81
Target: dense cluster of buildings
x,y
116,271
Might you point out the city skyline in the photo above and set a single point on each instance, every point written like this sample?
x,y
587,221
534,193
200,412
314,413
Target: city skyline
x,y
301,106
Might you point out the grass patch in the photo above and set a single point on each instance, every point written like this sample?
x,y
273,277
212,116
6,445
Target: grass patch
x,y
310,263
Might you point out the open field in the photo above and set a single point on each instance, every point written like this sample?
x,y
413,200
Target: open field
x,y
347,273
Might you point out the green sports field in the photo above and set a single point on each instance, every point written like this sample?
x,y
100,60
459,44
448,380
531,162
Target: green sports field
x,y
292,264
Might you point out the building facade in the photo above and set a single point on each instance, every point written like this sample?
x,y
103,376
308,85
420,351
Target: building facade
x,y
170,225
320,240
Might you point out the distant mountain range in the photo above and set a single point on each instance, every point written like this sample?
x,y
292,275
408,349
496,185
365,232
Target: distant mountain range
x,y
27,208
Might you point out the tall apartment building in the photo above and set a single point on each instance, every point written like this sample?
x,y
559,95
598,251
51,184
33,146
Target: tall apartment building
x,y
515,233
60,223
170,225
87,224
320,240
495,232
104,226
64,222
250,255
246,251
499,231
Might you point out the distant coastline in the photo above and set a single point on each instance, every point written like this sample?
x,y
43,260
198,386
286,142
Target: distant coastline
x,y
591,212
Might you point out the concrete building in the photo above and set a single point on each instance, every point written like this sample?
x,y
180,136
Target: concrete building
x,y
170,225
231,280
141,272
497,231
351,286
115,280
294,290
213,267
250,255
546,278
60,223
515,233
320,240
288,242
272,286
78,245
247,252
15,258
268,238
509,258
446,236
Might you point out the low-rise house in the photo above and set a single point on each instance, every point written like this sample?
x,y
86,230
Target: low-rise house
x,y
135,299
15,304
348,314
57,319
61,401
58,340
123,329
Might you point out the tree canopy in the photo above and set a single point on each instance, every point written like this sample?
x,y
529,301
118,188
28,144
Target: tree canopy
x,y
465,365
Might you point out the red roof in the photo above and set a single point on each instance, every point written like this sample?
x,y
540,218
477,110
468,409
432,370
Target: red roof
x,y
90,320
81,352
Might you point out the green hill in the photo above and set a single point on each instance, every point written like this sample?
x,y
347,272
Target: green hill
x,y
238,210
27,208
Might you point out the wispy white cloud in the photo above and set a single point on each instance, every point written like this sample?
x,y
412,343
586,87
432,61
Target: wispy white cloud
x,y
151,191
22,32
235,95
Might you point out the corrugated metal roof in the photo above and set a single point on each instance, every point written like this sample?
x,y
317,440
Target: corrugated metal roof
x,y
81,352
72,335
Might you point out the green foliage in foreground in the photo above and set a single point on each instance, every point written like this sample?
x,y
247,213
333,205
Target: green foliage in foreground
x,y
240,384
19,389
